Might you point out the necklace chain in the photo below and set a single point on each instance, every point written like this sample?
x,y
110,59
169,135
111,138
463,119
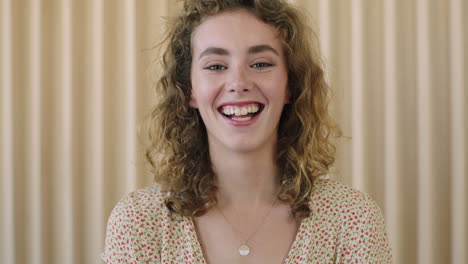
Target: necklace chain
x,y
244,242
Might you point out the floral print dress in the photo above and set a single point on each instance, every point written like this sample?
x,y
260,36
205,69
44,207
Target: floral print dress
x,y
345,226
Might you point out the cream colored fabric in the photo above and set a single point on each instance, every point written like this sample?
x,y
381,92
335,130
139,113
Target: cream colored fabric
x,y
74,83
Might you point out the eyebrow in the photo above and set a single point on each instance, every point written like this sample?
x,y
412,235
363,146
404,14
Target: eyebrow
x,y
251,50
262,48
215,51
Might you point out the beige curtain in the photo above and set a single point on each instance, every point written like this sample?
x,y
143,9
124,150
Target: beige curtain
x,y
75,80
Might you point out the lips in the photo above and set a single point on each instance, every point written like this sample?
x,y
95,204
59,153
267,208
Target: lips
x,y
241,111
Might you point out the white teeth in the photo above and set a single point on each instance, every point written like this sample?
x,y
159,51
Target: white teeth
x,y
238,111
254,109
244,111
241,118
228,110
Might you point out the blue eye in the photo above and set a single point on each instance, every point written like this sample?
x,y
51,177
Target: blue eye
x,y
261,65
215,67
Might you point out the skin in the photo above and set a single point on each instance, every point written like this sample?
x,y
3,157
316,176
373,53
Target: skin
x,y
238,59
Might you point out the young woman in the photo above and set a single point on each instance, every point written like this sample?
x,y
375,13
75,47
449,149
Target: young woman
x,y
239,143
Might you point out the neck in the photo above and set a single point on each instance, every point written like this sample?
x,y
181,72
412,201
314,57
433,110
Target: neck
x,y
245,180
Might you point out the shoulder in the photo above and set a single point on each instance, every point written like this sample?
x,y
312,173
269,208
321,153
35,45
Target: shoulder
x,y
143,200
343,204
133,222
143,208
140,205
328,192
356,219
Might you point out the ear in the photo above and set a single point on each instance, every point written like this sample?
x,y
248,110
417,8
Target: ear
x,y
193,101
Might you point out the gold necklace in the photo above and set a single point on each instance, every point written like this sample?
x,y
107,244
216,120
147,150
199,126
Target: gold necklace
x,y
244,249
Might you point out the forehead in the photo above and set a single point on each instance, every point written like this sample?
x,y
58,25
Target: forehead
x,y
233,30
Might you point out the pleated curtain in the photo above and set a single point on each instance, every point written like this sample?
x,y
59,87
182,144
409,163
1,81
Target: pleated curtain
x,y
76,79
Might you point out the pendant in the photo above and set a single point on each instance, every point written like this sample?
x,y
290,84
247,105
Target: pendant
x,y
244,250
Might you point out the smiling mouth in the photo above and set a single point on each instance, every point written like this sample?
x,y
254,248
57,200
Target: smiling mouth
x,y
241,113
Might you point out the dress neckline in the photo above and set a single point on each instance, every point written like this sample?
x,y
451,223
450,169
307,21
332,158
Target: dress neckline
x,y
199,252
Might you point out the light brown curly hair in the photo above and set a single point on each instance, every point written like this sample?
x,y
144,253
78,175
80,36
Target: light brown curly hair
x,y
178,145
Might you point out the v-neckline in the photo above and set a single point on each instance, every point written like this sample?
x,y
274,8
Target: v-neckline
x,y
199,251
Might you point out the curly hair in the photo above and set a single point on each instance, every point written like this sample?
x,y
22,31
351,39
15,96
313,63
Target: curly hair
x,y
178,145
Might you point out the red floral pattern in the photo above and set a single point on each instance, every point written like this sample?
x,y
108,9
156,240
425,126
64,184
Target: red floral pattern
x,y
345,226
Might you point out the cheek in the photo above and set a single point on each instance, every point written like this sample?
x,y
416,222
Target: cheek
x,y
277,88
197,88
203,92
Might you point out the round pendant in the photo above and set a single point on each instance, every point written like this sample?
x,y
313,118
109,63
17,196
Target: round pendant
x,y
244,250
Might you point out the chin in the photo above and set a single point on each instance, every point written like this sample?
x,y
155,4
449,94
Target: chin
x,y
250,145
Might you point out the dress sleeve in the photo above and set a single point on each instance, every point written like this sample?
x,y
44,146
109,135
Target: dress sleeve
x,y
364,236
121,234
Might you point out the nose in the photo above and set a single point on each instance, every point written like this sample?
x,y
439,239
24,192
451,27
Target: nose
x,y
239,81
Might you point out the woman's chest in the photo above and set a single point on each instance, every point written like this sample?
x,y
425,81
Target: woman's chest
x,y
269,243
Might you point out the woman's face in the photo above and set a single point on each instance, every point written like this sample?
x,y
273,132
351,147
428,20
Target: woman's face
x,y
239,80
